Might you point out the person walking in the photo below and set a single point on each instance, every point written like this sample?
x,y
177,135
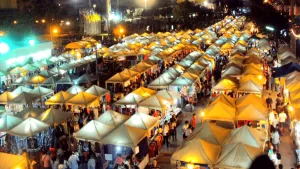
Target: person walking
x,y
184,128
269,102
275,139
45,161
188,131
73,161
282,118
173,129
166,133
193,122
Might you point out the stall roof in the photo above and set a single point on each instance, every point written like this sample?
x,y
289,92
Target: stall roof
x,y
145,92
84,99
41,91
155,102
93,131
55,116
30,112
8,122
168,94
59,98
250,87
258,79
231,71
97,91
37,79
7,97
125,135
130,99
211,133
220,111
21,89
197,151
18,70
76,89
25,98
142,121
251,112
21,80
65,80
84,79
224,99
112,118
226,83
29,127
286,69
10,161
182,81
122,77
237,156
251,99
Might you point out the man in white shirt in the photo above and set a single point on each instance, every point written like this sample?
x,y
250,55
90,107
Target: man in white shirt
x,y
282,119
166,133
73,161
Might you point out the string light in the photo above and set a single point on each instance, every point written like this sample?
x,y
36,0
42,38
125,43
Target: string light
x,y
297,36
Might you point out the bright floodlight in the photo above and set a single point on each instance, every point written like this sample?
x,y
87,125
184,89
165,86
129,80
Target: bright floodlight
x,y
31,42
205,3
4,48
68,23
270,28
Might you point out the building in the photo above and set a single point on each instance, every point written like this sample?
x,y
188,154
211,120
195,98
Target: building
x,y
295,40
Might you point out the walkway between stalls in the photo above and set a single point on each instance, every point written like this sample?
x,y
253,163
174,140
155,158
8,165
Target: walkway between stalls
x,y
286,147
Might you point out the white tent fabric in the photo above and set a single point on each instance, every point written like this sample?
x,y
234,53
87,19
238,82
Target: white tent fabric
x,y
182,81
21,89
25,98
231,71
93,131
41,91
30,112
8,122
97,91
168,94
21,81
142,121
130,99
50,81
237,156
248,136
112,118
84,79
125,135
54,116
29,127
65,80
76,89
155,102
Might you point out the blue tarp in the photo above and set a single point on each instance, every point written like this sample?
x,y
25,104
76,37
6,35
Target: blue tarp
x,y
286,69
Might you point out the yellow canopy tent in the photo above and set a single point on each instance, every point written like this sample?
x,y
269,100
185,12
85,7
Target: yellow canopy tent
x,y
38,79
59,98
258,79
18,70
10,161
227,46
251,98
219,111
253,71
197,151
251,112
293,85
145,92
224,99
293,95
93,131
84,99
253,52
237,156
225,84
252,59
122,77
211,133
7,97
112,118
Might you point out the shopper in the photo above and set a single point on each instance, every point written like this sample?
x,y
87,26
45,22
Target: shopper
x,y
275,139
92,162
269,102
173,129
193,122
45,161
184,128
188,131
73,161
166,133
282,119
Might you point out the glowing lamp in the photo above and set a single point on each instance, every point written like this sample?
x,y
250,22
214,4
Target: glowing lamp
x,y
202,113
260,77
4,48
31,42
121,30
55,30
43,20
68,23
190,166
291,108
